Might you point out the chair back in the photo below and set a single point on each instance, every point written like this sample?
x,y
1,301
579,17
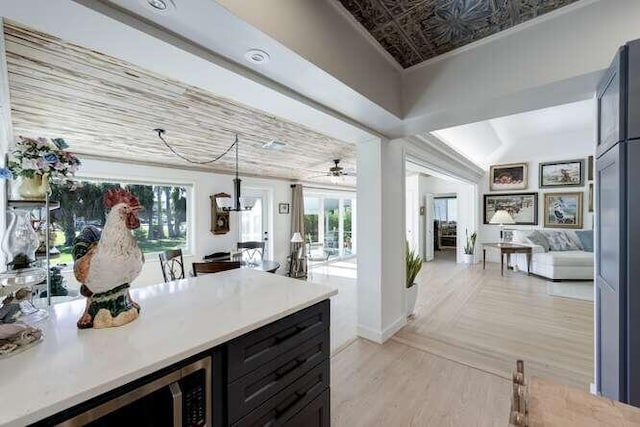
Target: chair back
x,y
218,256
317,252
172,265
251,250
213,267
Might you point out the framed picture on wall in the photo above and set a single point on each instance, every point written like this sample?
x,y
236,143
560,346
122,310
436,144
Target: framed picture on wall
x,y
523,207
565,173
563,210
591,197
283,208
590,168
508,177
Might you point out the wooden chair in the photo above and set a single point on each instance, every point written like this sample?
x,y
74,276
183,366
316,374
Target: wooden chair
x,y
218,256
251,249
172,265
213,267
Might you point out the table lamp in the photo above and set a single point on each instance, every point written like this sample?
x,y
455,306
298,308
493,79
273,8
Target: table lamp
x,y
295,264
501,217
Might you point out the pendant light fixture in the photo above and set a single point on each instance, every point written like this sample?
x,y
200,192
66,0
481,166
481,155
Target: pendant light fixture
x,y
227,204
238,203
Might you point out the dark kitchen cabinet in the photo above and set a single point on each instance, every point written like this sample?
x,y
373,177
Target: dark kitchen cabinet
x,y
617,229
276,375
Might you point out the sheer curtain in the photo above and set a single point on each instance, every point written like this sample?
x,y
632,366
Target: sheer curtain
x,y
297,219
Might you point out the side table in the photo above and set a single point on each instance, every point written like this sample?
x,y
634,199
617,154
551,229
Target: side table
x,y
507,249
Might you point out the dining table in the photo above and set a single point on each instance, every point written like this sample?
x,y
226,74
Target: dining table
x,y
259,265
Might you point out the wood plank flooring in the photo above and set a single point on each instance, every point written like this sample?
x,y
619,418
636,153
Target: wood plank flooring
x,y
451,365
397,385
483,320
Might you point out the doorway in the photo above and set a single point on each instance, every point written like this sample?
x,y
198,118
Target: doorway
x,y
254,223
438,211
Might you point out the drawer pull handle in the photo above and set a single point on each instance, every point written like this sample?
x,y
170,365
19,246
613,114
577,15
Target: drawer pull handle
x,y
286,369
288,334
296,398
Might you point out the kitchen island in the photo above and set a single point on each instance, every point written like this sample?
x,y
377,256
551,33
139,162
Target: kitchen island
x,y
247,321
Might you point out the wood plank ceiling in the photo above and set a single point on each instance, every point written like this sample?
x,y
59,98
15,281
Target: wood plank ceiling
x,y
107,108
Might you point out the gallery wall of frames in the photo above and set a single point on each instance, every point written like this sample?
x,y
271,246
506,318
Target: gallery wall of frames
x,y
562,197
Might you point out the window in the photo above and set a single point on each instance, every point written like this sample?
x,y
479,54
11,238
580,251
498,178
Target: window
x,y
445,209
163,222
251,223
311,217
328,223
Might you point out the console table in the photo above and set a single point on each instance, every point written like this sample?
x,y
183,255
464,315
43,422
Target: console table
x,y
507,249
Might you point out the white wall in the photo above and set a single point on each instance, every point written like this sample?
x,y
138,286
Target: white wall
x,y
203,184
415,230
466,204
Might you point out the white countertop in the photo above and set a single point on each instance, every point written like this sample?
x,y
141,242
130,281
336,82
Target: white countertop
x,y
178,320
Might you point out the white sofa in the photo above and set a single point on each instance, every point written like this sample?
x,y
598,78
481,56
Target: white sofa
x,y
555,265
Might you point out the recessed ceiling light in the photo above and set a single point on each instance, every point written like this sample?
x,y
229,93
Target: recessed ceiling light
x,y
159,6
257,56
274,145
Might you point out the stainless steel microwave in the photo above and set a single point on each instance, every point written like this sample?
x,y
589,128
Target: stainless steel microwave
x,y
182,398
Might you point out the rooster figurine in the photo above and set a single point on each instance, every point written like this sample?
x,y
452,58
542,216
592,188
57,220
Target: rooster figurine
x,y
107,262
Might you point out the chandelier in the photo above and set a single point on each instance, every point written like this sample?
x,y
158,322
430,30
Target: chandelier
x,y
227,204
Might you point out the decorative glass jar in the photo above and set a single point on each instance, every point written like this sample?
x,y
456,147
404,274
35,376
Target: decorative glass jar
x,y
21,240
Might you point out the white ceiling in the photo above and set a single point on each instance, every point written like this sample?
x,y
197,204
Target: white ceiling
x,y
549,132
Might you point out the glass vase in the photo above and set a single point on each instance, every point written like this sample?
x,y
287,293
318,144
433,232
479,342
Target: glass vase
x,y
21,240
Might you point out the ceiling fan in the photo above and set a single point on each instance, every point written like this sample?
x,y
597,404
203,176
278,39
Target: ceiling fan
x,y
336,172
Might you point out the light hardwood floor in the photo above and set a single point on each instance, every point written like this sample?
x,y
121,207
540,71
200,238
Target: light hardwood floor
x,y
451,365
396,385
478,318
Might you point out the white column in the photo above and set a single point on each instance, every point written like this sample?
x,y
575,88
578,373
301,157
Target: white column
x,y
381,235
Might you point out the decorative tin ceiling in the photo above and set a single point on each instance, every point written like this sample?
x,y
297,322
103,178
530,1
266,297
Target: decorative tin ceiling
x,y
413,31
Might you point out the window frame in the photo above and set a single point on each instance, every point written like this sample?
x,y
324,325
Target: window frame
x,y
189,248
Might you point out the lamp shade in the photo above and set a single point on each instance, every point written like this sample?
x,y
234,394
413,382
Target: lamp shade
x,y
501,217
297,238
224,203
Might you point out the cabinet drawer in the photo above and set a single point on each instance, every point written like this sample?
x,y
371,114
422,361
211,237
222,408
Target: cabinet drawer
x,y
254,349
253,389
283,408
315,414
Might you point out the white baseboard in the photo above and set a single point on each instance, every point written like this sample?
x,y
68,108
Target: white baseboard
x,y
381,336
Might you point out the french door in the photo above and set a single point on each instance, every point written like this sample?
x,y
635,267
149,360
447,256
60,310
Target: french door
x,y
254,224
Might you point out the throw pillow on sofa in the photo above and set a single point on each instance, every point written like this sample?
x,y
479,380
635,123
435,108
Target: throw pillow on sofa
x,y
537,238
560,241
586,237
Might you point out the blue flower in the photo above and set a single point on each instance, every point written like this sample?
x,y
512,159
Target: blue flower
x,y
5,173
60,143
50,158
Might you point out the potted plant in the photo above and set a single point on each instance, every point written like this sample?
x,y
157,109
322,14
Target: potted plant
x,y
414,264
469,247
34,161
